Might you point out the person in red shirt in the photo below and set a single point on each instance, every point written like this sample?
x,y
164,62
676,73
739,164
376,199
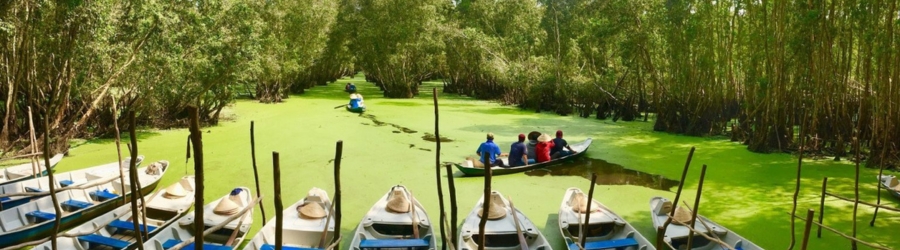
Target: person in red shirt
x,y
542,150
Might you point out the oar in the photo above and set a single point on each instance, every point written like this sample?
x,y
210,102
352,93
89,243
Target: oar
x,y
339,106
325,230
415,219
522,242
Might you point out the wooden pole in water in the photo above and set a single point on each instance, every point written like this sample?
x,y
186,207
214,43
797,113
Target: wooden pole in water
x,y
822,207
279,207
878,202
197,142
50,178
135,185
118,145
690,241
339,148
452,189
486,201
809,220
255,172
856,188
587,213
797,189
437,168
661,232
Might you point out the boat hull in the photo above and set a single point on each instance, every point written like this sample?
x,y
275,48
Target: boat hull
x,y
676,234
582,147
356,110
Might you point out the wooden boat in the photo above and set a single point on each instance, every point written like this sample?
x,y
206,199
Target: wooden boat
x,y
500,229
26,171
115,229
390,224
359,109
891,183
606,229
677,232
42,184
35,219
214,213
468,168
304,223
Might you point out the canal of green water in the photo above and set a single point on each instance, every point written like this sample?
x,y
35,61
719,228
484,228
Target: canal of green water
x,y
394,143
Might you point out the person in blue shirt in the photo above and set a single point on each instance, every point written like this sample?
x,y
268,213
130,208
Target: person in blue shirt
x,y
490,150
518,155
558,144
356,100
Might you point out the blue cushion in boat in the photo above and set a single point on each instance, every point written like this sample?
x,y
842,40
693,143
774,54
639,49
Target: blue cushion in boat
x,y
272,247
93,239
103,195
394,243
607,244
128,225
4,198
41,216
77,204
66,183
172,242
33,190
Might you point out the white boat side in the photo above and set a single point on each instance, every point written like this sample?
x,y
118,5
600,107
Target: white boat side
x,y
182,230
677,234
298,231
500,233
26,170
380,224
605,225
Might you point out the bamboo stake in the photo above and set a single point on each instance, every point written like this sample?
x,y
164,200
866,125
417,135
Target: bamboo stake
x,y
486,200
872,245
437,169
523,245
856,188
339,147
197,141
133,176
255,172
35,162
412,211
809,218
450,244
696,206
822,207
57,219
661,232
587,216
118,144
878,201
452,189
279,207
797,188
210,230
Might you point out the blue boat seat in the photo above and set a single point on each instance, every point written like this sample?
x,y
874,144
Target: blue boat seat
x,y
103,195
128,225
76,204
272,247
33,190
41,216
395,243
95,240
4,198
607,244
66,183
172,242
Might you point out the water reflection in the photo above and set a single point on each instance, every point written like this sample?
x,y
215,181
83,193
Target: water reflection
x,y
607,173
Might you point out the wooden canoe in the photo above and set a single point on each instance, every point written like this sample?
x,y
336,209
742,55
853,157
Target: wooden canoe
x,y
299,232
606,229
677,234
468,169
891,183
357,109
383,228
26,171
500,233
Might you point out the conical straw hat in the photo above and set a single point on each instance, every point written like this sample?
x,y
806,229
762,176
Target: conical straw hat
x,y
397,203
176,191
682,216
319,193
497,209
544,138
311,210
229,205
579,204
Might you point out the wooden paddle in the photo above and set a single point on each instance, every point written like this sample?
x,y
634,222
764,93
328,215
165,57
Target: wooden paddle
x,y
339,106
325,230
415,219
522,242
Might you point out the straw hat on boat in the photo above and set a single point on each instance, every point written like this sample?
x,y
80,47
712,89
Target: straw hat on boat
x,y
544,138
175,191
579,204
397,203
682,216
497,209
311,210
895,184
229,205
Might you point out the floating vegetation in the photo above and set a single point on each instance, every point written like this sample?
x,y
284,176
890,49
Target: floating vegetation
x,y
430,137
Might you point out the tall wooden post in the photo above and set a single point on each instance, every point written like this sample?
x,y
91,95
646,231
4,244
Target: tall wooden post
x,y
822,207
661,232
587,216
878,202
279,207
118,145
50,177
694,218
133,180
486,200
255,172
197,142
797,188
339,148
856,188
437,169
809,222
452,188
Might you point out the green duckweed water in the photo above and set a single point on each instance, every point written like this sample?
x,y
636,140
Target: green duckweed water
x,y
393,143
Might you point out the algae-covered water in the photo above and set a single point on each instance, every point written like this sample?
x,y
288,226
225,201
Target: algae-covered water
x,y
393,143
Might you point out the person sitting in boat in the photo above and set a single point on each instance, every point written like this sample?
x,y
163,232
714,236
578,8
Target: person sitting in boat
x,y
489,149
542,150
518,153
350,88
532,142
356,101
558,144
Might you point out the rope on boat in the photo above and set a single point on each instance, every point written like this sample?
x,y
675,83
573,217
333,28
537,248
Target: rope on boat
x,y
217,227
